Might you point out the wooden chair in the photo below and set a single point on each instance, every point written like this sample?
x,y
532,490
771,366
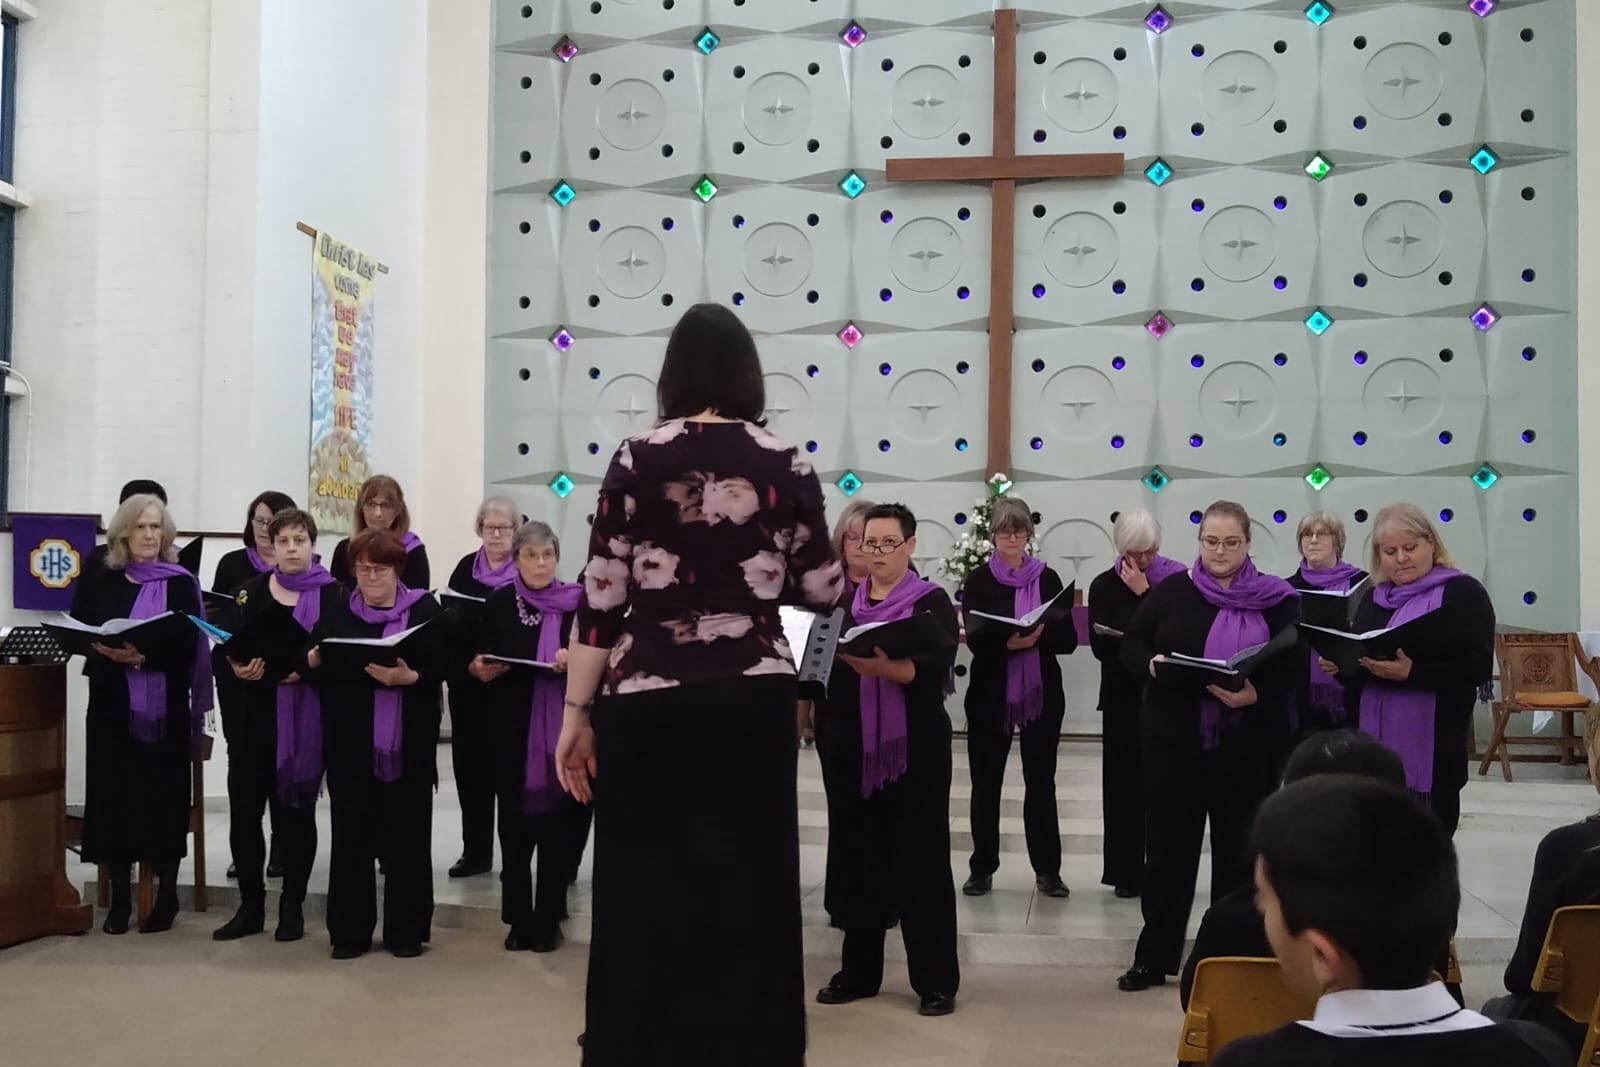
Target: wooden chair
x,y
197,831
1538,672
1233,997
1591,1044
1569,966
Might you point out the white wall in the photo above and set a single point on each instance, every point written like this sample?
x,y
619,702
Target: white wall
x,y
1588,142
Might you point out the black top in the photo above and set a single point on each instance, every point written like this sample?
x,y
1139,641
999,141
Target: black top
x,y
466,618
252,599
1566,872
1112,604
506,631
107,594
462,581
1230,927
986,688
234,572
1500,1045
416,575
924,696
1176,618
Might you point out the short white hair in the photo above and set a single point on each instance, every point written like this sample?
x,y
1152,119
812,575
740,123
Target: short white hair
x,y
502,504
1136,530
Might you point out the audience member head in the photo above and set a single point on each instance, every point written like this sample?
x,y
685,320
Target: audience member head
x,y
258,520
889,536
294,540
1011,529
1406,545
141,531
847,535
381,505
1137,536
537,550
1224,539
1320,536
377,558
1356,882
141,486
712,366
496,526
1344,752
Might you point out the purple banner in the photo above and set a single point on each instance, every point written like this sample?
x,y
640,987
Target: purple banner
x,y
49,554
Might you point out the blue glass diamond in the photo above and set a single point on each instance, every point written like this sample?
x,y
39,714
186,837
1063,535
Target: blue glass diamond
x,y
1318,322
1156,480
707,41
849,483
563,194
1485,477
1484,160
852,185
1158,172
1318,12
562,486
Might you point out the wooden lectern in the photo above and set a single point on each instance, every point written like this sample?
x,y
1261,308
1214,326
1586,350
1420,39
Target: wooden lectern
x,y
35,897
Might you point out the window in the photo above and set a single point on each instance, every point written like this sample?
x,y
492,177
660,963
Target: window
x,y
8,93
8,221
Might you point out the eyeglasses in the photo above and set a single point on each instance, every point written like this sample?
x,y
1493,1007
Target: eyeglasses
x,y
498,531
261,524
1232,544
1316,535
1011,535
880,548
371,570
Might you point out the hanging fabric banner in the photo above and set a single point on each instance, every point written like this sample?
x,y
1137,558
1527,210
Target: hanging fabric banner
x,y
49,554
342,283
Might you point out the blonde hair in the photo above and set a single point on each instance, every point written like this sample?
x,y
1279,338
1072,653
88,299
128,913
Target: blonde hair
x,y
1328,521
1135,530
123,523
854,512
1011,513
1407,519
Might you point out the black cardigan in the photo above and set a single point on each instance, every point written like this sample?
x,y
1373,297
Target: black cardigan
x,y
986,688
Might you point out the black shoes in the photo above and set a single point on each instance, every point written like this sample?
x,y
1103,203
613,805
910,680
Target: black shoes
x,y
350,952
936,1004
516,942
548,941
1126,892
1052,886
274,869
406,952
117,917
233,872
291,921
978,885
468,867
1139,978
249,919
834,993
161,916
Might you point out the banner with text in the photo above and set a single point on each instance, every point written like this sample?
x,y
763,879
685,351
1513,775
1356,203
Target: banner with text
x,y
49,555
342,282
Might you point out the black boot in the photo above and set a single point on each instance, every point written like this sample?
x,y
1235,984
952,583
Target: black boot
x,y
121,877
165,911
291,921
274,864
249,919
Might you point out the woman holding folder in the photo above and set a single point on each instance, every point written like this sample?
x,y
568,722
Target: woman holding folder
x,y
530,620
1015,686
1419,701
275,747
146,718
1326,583
1206,744
380,733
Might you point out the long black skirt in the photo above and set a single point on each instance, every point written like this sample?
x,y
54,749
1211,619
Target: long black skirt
x,y
696,955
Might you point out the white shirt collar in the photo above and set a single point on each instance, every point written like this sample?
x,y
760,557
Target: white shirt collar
x,y
1428,1009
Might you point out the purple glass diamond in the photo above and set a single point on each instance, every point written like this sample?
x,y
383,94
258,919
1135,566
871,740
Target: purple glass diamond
x,y
562,339
850,335
1159,326
1485,317
853,34
1158,20
1481,8
565,49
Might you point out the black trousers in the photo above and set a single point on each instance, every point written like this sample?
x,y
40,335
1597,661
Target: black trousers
x,y
1122,796
252,790
988,748
1184,788
552,839
472,758
372,821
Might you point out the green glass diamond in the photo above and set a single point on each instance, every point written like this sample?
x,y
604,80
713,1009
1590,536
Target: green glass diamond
x,y
1156,480
849,483
707,41
705,189
1485,476
1318,477
563,194
562,486
852,185
1319,167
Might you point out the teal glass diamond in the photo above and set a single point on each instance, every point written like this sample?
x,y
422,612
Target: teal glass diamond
x,y
1319,167
1318,322
707,41
1156,480
1318,477
563,194
852,185
1318,12
1485,477
1158,172
849,483
1484,160
562,486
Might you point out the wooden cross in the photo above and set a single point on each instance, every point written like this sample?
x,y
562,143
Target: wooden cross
x,y
1002,169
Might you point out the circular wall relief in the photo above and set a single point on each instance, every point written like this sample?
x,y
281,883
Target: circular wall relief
x,y
1402,81
631,115
1403,238
777,108
626,405
926,101
1076,548
1239,87
1079,404
1080,249
1080,95
922,405
1238,399
631,262
1239,243
925,254
788,402
777,259
934,542
1401,398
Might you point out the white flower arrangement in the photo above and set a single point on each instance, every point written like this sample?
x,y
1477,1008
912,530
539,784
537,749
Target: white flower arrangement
x,y
976,545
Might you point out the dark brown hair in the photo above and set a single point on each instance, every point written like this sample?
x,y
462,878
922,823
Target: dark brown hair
x,y
711,364
1227,509
379,547
290,518
275,502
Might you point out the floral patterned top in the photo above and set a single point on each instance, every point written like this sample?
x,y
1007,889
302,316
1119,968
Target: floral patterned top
x,y
702,530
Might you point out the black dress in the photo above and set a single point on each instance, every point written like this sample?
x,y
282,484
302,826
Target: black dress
x,y
1185,783
989,737
373,820
1304,719
472,731
415,576
234,572
1453,671
137,796
1112,604
555,837
889,853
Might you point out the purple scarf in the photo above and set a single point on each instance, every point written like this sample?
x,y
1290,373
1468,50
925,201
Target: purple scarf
x,y
386,701
147,689
493,577
1400,716
299,709
1238,625
884,751
411,541
1326,694
1161,568
541,792
261,566
1024,680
